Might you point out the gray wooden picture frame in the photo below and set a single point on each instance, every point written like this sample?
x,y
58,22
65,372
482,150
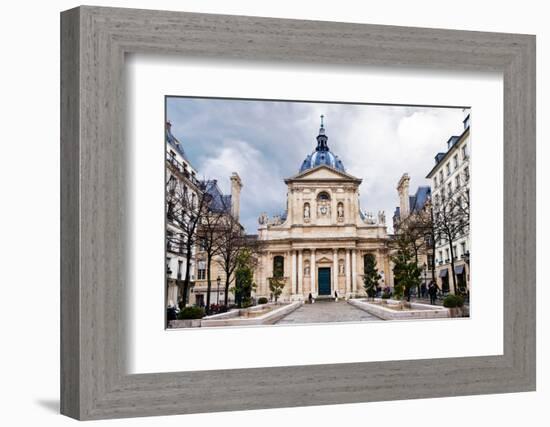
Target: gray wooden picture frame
x,y
94,41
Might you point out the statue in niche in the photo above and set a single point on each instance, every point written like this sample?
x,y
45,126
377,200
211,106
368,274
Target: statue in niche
x,y
306,270
306,211
340,211
341,267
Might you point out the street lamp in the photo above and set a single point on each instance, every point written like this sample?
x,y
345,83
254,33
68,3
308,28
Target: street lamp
x,y
425,275
466,258
218,280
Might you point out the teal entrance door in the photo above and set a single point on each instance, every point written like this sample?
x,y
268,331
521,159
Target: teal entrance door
x,y
324,281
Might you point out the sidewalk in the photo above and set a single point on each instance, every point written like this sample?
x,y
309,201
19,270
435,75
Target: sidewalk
x,y
438,301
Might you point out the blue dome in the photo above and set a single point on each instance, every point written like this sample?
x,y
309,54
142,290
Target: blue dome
x,y
322,154
318,158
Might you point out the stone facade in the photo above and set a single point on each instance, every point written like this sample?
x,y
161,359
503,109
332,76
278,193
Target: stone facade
x,y
180,178
319,245
225,205
450,177
415,208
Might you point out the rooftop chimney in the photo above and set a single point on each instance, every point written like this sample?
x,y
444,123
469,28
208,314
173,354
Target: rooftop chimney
x,y
403,191
236,186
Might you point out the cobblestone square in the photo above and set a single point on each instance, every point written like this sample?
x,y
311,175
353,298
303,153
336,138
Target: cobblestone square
x,y
327,312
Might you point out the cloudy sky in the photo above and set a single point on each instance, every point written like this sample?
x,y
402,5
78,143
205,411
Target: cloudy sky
x,y
267,141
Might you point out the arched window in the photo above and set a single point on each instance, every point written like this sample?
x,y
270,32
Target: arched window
x,y
323,196
278,266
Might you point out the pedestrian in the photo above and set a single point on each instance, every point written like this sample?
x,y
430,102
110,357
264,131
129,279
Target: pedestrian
x,y
432,290
423,290
310,298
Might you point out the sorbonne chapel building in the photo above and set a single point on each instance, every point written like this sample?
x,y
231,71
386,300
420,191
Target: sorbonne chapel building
x,y
319,245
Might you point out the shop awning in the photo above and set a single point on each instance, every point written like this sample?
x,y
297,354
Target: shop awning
x,y
459,269
443,273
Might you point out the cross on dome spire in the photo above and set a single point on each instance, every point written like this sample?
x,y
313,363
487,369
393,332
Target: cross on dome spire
x,y
322,154
322,138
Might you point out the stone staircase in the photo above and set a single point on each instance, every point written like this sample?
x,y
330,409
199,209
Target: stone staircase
x,y
325,298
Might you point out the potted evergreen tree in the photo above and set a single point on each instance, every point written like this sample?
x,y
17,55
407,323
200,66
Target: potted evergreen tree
x,y
371,277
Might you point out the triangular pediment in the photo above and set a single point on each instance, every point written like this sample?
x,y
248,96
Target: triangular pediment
x,y
323,173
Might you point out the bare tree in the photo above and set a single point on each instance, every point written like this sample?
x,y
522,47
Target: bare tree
x,y
451,221
429,227
233,242
413,233
185,208
210,238
422,226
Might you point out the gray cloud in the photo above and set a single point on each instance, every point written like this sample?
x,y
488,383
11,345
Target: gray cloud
x,y
266,141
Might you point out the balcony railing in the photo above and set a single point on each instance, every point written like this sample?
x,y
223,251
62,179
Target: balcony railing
x,y
181,168
175,249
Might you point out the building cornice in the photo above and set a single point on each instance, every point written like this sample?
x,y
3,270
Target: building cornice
x,y
343,176
295,242
462,136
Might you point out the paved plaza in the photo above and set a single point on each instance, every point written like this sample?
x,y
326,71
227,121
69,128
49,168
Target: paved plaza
x,y
326,312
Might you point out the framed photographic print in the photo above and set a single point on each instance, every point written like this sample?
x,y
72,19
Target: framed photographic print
x,y
289,213
223,251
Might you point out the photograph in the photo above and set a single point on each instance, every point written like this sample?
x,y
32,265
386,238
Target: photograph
x,y
290,212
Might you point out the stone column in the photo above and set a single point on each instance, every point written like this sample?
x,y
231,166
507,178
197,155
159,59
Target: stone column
x,y
334,270
287,265
313,273
293,274
300,273
348,273
266,273
354,271
388,279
